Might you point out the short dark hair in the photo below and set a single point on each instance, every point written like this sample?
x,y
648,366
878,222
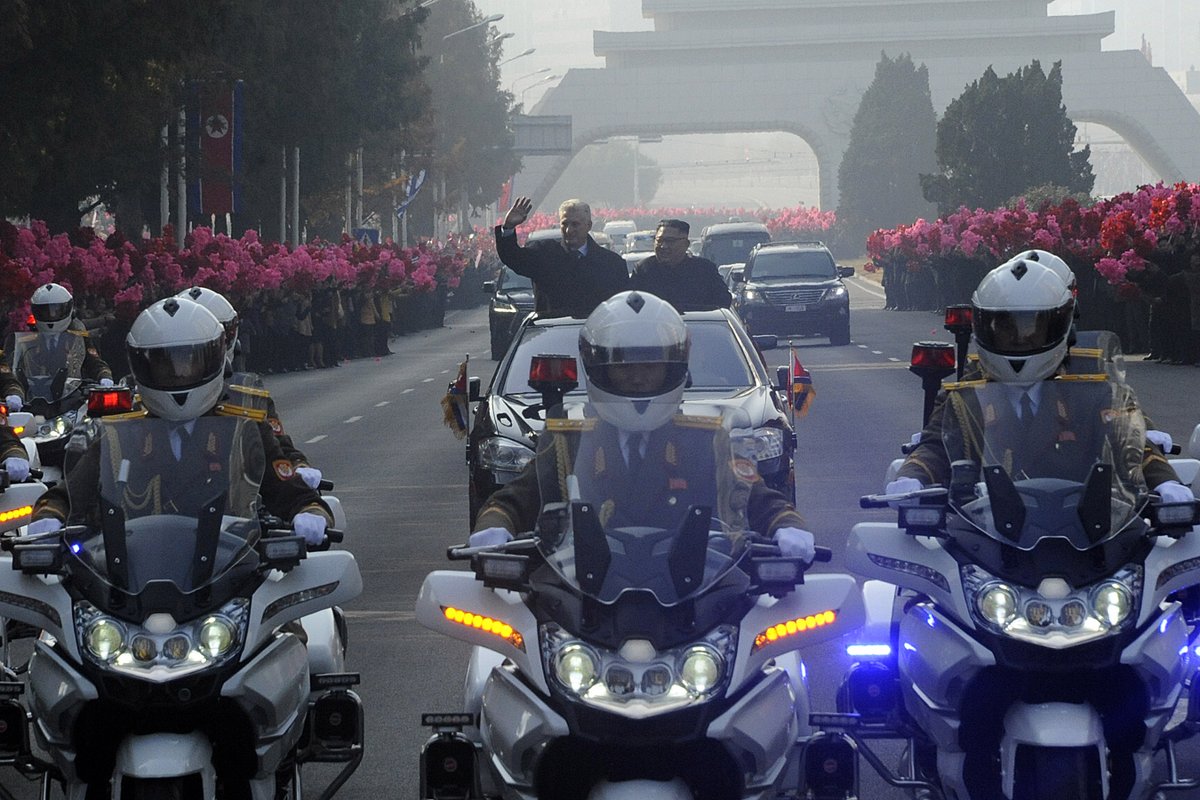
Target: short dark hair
x,y
677,224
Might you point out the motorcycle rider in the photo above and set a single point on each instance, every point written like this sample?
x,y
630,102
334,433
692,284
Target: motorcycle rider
x,y
1022,321
53,309
227,315
634,347
176,353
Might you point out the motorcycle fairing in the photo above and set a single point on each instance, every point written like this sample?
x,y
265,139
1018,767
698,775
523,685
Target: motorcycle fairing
x,y
320,581
760,728
881,550
445,589
1171,565
38,601
272,690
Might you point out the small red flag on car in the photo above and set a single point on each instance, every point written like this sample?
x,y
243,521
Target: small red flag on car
x,y
803,390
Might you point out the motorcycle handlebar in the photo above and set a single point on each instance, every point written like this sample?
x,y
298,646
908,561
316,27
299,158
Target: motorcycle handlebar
x,y
325,486
824,555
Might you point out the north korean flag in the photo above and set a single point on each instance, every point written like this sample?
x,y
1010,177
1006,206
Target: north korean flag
x,y
216,122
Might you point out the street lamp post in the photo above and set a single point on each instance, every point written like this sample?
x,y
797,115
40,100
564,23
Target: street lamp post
x,y
512,87
546,79
528,52
485,21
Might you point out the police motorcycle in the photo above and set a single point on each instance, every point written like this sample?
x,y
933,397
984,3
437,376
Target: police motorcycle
x,y
619,657
55,410
169,663
1026,635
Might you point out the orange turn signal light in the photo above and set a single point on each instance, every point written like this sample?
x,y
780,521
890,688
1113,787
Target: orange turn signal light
x,y
15,513
793,627
486,624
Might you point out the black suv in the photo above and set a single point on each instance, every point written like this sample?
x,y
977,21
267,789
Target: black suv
x,y
512,299
794,288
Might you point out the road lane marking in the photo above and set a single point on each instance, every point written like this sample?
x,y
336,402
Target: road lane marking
x,y
427,380
382,404
352,419
406,391
852,367
315,439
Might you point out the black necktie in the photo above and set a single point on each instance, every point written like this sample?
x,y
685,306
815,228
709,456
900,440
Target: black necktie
x,y
635,454
1026,407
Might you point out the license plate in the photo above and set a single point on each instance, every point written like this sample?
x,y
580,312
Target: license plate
x,y
795,307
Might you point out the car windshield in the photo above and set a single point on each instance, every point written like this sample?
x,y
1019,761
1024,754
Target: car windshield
x,y
717,360
617,536
1066,462
732,248
792,264
512,282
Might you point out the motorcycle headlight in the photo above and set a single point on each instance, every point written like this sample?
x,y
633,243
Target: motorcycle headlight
x,y
104,638
499,454
1063,617
1112,602
701,670
217,636
576,667
60,425
998,603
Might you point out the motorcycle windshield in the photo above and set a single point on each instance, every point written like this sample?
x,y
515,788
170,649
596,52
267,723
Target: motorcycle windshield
x,y
1066,462
177,507
663,514
49,366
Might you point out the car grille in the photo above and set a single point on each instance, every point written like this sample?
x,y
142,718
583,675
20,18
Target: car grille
x,y
794,295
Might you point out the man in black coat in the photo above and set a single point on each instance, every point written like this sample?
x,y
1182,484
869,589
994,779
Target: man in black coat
x,y
570,277
685,281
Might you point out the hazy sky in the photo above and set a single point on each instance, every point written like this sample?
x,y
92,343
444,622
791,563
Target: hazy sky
x,y
704,170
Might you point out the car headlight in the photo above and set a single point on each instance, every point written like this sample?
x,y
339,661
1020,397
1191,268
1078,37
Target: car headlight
x,y
161,649
752,295
655,682
499,454
835,292
1053,615
764,444
503,307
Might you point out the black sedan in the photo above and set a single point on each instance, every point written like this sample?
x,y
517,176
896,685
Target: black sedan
x,y
512,299
727,371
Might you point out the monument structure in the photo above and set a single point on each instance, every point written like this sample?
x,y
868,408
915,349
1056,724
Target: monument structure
x,y
801,66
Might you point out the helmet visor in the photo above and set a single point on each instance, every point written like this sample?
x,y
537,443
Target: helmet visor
x,y
645,371
178,367
52,312
1021,333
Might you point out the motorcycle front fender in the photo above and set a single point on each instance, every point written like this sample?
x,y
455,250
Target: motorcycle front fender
x,y
447,591
160,756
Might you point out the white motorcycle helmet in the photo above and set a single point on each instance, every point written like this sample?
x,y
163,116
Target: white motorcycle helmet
x,y
635,328
1048,259
1021,320
177,355
53,308
220,308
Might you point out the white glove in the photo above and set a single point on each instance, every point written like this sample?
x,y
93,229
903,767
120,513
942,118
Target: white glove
x,y
310,526
17,468
796,543
1161,438
14,402
106,383
902,486
1174,492
310,475
489,537
44,525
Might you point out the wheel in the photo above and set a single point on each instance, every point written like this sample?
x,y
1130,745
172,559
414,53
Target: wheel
x,y
840,336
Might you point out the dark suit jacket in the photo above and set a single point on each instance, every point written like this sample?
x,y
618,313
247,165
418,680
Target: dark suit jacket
x,y
565,286
692,285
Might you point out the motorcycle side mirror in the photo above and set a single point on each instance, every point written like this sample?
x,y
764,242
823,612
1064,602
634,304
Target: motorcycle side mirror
x,y
502,570
40,558
280,550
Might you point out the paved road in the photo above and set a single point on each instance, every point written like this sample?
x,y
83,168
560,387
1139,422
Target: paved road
x,y
375,428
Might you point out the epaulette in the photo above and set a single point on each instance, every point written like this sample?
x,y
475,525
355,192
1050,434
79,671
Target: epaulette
x,y
697,421
230,410
253,391
1095,377
956,385
1087,352
140,413
566,425
84,334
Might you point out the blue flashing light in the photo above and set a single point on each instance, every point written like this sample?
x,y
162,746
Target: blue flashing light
x,y
1162,626
868,650
76,547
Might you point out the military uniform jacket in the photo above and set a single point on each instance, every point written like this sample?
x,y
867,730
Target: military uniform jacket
x,y
565,285
1051,437
93,368
691,285
263,401
678,470
283,493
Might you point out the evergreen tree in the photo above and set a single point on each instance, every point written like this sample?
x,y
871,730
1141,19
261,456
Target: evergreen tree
x,y
1003,136
891,143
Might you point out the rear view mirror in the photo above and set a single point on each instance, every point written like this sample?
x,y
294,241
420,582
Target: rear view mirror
x,y
765,341
845,272
738,276
489,286
473,389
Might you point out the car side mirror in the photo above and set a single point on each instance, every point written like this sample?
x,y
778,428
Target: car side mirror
x,y
489,286
739,277
765,341
783,378
845,272
473,389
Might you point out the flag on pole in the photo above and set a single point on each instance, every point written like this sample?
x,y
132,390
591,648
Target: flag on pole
x,y
454,404
216,130
803,390
414,184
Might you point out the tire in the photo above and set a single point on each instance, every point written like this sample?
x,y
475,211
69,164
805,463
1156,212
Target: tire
x,y
1054,773
841,336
